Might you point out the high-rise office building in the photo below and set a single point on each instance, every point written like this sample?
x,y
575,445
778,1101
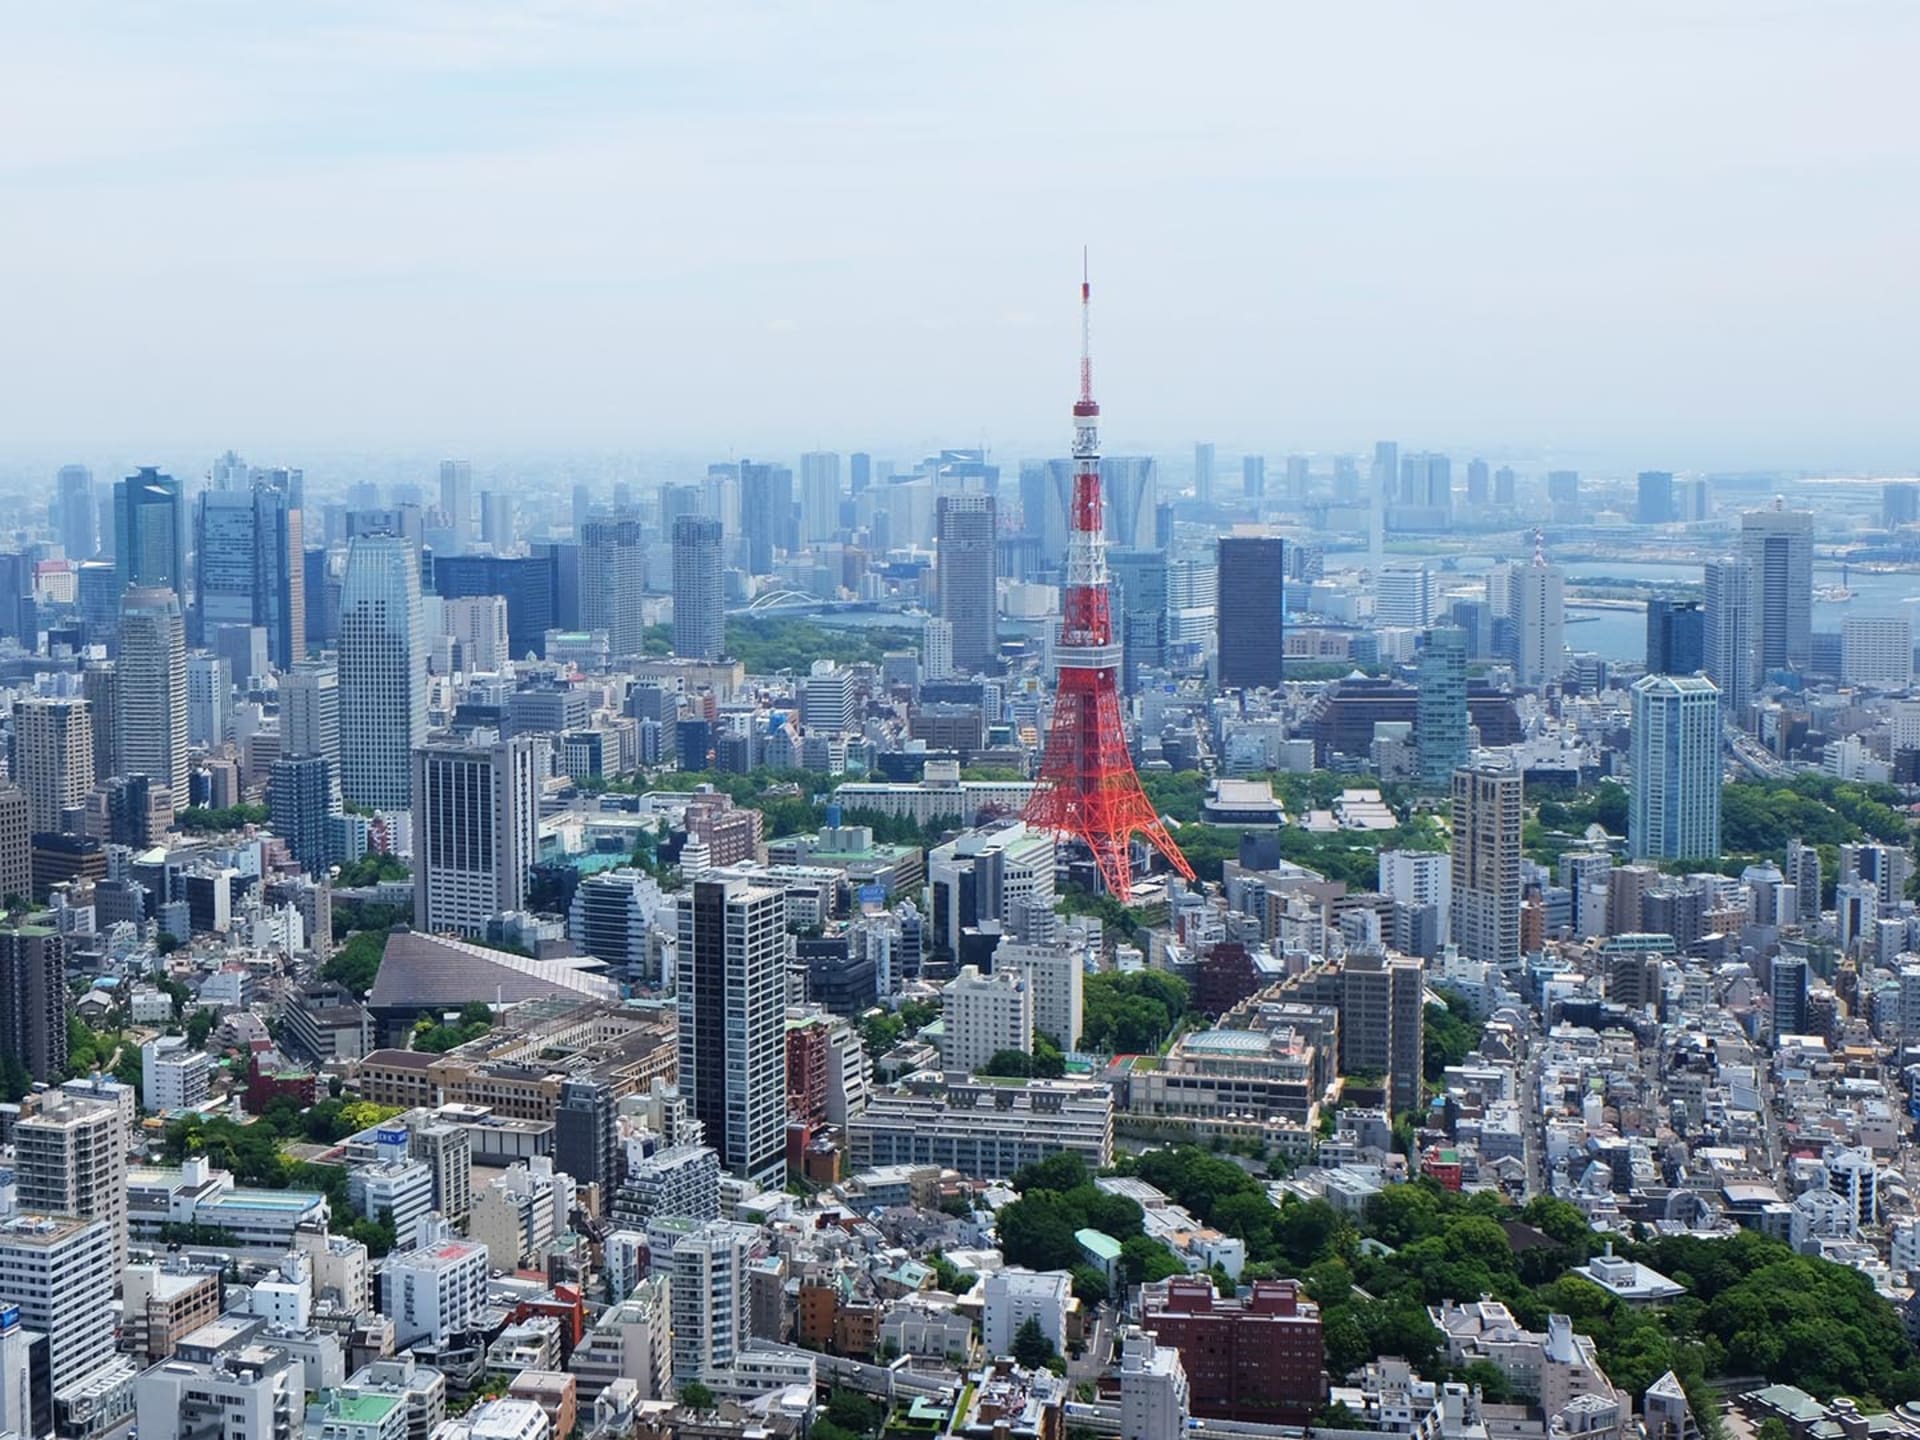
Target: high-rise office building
x,y
1803,873
1899,504
1253,476
33,999
250,567
984,1015
1538,601
310,714
699,596
16,844
732,989
149,532
1128,495
476,815
586,1134
76,513
1676,637
1203,472
478,625
1479,478
1674,801
1877,650
1653,500
966,559
1043,513
1139,610
1300,476
53,757
1488,811
456,502
1440,719
1727,641
382,672
209,700
151,689
613,580
70,1158
1777,545
303,795
936,649
1251,648
766,513
819,495
1404,596
60,1272
1381,1013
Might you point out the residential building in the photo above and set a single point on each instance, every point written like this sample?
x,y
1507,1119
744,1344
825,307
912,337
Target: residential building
x,y
984,1130
33,1000
70,1158
731,982
434,1291
699,599
1259,1357
985,1014
60,1272
1488,811
478,625
253,1392
613,579
710,1309
1155,1400
1674,801
1013,1296
53,758
1538,612
1728,639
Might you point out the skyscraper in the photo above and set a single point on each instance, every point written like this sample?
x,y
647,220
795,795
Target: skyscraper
x,y
151,689
1139,610
382,672
699,600
149,541
613,580
819,495
1728,632
75,513
1676,637
1539,614
53,757
1899,504
60,1273
966,560
1674,801
303,795
711,1308
1488,811
310,715
250,567
476,814
1253,476
732,988
766,513
33,999
1777,545
209,700
1043,513
1203,472
456,502
1788,983
1252,650
1440,721
1128,488
1653,501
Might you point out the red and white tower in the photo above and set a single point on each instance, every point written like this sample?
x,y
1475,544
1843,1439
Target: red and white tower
x,y
1088,788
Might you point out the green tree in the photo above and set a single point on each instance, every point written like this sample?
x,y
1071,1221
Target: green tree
x,y
1031,1347
695,1396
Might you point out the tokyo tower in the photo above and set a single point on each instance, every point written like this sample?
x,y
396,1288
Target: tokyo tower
x,y
1088,789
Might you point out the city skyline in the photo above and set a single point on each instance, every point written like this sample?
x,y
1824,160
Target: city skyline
x,y
1300,267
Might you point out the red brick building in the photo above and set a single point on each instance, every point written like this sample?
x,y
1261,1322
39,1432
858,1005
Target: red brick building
x,y
1260,1358
807,1058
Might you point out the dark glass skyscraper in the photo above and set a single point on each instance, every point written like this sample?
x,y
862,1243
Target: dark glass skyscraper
x,y
966,558
250,568
1676,637
1253,581
1440,721
149,541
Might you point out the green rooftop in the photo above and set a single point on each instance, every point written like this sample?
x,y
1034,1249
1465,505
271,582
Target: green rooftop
x,y
363,1409
1099,1244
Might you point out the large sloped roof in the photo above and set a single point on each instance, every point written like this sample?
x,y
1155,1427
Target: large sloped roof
x,y
436,972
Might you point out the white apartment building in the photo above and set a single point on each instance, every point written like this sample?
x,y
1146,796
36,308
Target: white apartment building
x,y
711,1311
1877,650
1015,1296
254,1393
517,1215
1155,1402
478,624
1056,979
70,1158
984,1015
1419,877
173,1075
60,1272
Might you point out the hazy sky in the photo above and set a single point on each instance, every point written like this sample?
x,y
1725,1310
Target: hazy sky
x,y
1666,233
